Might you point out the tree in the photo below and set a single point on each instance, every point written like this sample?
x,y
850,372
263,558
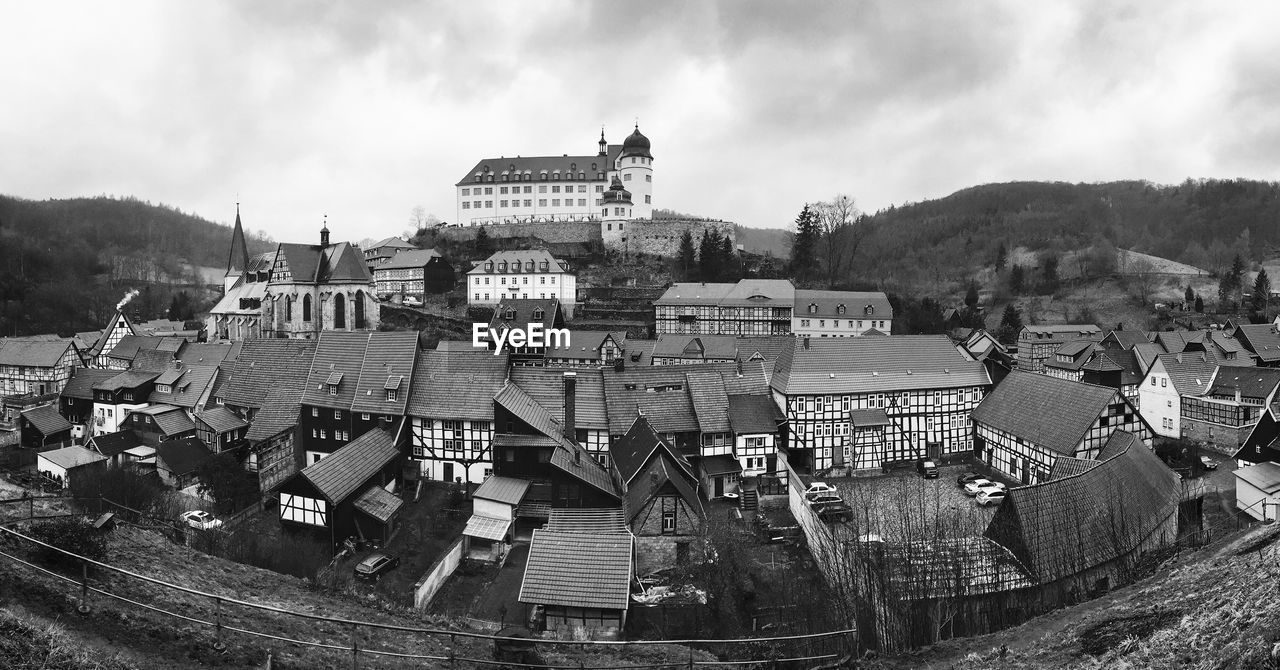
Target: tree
x,y
1199,305
709,255
484,244
222,477
1017,279
1189,296
971,296
1231,284
687,257
1010,325
730,264
1002,257
804,244
1261,291
1143,272
841,228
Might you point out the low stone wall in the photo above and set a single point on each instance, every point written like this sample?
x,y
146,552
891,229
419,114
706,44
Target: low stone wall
x,y
430,584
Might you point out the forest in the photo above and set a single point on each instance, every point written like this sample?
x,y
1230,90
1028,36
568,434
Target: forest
x,y
64,264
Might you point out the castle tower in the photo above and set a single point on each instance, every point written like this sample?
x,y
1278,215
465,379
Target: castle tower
x,y
238,259
616,208
635,166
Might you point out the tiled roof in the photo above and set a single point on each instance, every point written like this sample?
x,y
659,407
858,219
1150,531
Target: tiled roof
x,y
950,568
523,257
1191,372
1146,355
1046,411
867,364
862,418
168,419
115,443
768,347
710,403
221,419
189,388
578,570
536,165
417,258
1263,476
520,313
200,353
1074,347
700,347
515,400
125,380
574,460
339,474
337,352
46,419
1100,361
661,471
456,384
1062,330
754,292
152,360
71,457
546,386
744,378
584,344
568,456
182,456
32,353
1128,339
313,264
719,465
1262,339
508,490
270,375
128,347
638,446
1250,382
389,358
695,293
660,392
1065,526
754,414
378,503
83,380
587,520
486,527
854,302
1067,466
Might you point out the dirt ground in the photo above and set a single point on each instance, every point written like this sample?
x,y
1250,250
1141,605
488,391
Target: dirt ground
x,y
900,505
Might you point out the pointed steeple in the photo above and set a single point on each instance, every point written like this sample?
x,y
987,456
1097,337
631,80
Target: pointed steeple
x,y
604,146
238,259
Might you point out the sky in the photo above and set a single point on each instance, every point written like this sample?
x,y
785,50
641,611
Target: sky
x,y
364,111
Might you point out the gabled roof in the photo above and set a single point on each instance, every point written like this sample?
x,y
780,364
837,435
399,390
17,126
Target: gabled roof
x,y
112,444
1191,372
46,419
270,375
661,474
202,353
521,313
83,380
152,360
33,353
313,264
660,392
337,353
115,323
168,419
763,348
506,490
587,520
417,258
388,363
1263,339
1065,526
523,257
339,474
1074,348
1063,330
855,304
639,445
392,243
546,387
71,457
1250,382
747,292
710,402
1128,339
868,418
700,347
378,503
1046,411
126,380
585,344
568,456
578,570
456,384
221,420
188,386
1146,355
834,365
182,456
694,293
750,414
1067,466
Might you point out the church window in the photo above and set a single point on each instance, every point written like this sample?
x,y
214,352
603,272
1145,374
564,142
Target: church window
x,y
306,308
359,309
288,308
339,311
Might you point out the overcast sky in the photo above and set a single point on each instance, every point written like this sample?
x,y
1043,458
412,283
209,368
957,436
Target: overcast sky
x,y
363,110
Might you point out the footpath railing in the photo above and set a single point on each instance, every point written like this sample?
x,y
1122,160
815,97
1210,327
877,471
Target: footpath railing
x,y
792,651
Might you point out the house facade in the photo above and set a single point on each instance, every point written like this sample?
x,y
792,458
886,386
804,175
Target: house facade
x,y
450,413
521,275
840,313
1037,343
751,307
413,273
660,501
1170,379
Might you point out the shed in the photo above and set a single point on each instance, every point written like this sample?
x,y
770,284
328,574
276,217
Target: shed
x,y
378,513
43,427
1258,490
581,580
177,460
65,465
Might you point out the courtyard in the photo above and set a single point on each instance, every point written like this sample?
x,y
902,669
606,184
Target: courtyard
x,y
904,506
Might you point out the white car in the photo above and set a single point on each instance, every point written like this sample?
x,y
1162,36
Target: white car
x,y
990,496
201,520
817,489
973,487
412,302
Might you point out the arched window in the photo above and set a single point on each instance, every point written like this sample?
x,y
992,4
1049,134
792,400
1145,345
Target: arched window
x,y
288,308
868,310
359,310
339,311
306,308
813,309
840,309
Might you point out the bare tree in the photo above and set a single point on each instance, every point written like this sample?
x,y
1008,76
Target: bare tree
x,y
843,228
1142,270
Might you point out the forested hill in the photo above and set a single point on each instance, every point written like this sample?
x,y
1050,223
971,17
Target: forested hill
x,y
1200,222
63,263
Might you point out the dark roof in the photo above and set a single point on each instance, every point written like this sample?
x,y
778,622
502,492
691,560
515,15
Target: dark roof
x,y
639,445
1129,338
520,313
392,242
129,345
456,384
587,520
46,419
700,347
221,419
854,302
660,392
339,474
378,503
190,385
710,403
1250,382
546,386
568,456
574,460
869,417
663,472
313,264
584,344
1046,411
337,353
417,258
536,165
636,144
1067,466
578,570
125,380
768,347
269,375
152,360
33,353
182,456
831,365
1065,526
523,257
168,419
1263,339
388,363
719,465
201,353
508,490
1062,330
83,380
116,443
746,292
754,414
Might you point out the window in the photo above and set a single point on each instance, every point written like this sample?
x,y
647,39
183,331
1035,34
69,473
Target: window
x,y
364,416
647,177
315,412
627,177
391,395
306,308
337,414
466,191
333,389
542,202
1164,382
669,521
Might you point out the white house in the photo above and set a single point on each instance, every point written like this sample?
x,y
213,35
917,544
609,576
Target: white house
x,y
523,275
840,313
490,531
1170,378
1258,490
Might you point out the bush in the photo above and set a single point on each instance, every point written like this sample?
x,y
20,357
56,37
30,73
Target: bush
x,y
75,535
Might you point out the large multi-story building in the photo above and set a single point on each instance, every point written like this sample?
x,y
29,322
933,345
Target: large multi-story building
x,y
754,307
867,402
557,188
1037,343
451,413
413,273
522,275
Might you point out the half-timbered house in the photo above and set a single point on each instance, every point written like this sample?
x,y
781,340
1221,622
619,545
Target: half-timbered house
x,y
550,389
660,498
36,367
450,413
116,396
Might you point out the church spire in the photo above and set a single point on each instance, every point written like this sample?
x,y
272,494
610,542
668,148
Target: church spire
x,y
238,259
604,146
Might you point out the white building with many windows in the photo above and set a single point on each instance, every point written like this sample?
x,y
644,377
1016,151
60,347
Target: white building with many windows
x,y
521,275
770,307
1171,377
544,189
841,313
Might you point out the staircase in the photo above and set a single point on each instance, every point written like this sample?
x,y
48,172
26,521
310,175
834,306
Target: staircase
x,y
750,501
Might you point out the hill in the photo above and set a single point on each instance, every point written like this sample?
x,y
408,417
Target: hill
x,y
67,262
765,241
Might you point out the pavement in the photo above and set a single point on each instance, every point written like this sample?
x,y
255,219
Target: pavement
x,y
500,599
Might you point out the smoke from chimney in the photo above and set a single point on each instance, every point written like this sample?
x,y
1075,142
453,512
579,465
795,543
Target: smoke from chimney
x,y
125,300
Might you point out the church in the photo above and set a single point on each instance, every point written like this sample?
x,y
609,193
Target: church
x,y
545,189
296,290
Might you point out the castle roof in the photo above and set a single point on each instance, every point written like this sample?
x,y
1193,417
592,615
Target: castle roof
x,y
636,144
557,168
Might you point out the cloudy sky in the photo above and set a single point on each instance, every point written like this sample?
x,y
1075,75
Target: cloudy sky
x,y
362,111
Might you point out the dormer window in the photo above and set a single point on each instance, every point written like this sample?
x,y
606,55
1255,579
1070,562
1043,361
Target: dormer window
x,y
868,310
164,388
539,314
477,179
544,266
333,389
488,267
391,395
839,309
128,395
502,267
509,314
528,266
813,309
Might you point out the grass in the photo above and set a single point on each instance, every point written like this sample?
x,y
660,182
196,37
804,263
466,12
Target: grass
x,y
30,644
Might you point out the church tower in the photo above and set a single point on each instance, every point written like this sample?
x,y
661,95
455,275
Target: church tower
x,y
238,259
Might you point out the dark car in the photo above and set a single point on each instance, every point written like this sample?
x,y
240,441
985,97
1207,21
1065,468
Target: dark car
x,y
968,477
927,468
375,565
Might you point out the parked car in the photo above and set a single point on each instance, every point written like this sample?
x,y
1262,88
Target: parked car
x,y
927,468
972,488
967,477
375,565
412,301
200,520
823,499
834,511
1208,463
819,488
990,496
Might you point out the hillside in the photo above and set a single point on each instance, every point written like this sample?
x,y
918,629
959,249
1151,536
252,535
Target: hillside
x,y
765,241
67,262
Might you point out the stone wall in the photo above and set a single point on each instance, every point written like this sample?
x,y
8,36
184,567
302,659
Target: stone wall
x,y
560,231
659,238
1224,439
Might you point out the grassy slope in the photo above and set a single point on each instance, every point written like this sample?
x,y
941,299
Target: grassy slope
x,y
1215,608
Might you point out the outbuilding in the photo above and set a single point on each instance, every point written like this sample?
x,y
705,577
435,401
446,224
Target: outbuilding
x,y
64,466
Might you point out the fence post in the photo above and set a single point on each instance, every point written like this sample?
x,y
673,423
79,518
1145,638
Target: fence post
x,y
453,650
355,646
218,645
83,607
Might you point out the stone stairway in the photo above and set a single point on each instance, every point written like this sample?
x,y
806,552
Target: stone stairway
x,y
750,501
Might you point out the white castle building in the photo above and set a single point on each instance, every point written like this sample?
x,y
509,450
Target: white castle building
x,y
561,188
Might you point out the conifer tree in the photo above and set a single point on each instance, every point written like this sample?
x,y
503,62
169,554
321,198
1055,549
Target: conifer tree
x,y
687,258
805,244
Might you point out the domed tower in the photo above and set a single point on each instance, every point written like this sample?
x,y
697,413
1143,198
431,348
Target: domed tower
x,y
616,209
635,166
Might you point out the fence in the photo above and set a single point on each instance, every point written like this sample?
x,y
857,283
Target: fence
x,y
427,587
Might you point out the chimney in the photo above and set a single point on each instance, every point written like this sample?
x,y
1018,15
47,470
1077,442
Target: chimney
x,y
806,341
570,402
1237,394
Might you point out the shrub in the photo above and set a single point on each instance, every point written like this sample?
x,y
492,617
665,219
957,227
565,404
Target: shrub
x,y
75,535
